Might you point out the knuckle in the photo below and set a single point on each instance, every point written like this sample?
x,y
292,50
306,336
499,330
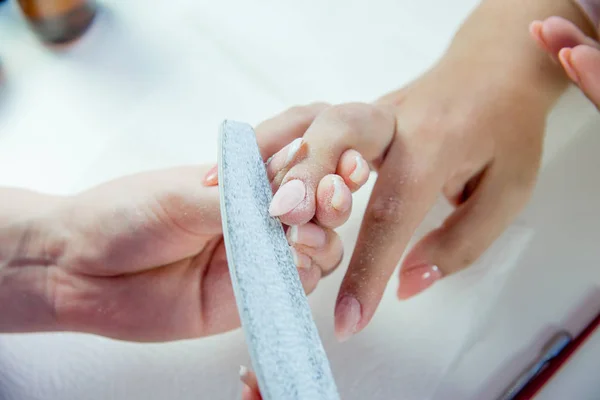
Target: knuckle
x,y
354,113
459,253
352,118
386,210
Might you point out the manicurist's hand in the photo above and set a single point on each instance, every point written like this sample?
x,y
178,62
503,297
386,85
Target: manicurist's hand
x,y
142,257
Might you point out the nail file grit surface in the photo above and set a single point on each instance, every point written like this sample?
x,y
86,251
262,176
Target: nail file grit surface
x,y
286,351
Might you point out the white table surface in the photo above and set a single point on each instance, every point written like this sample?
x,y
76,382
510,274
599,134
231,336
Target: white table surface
x,y
147,88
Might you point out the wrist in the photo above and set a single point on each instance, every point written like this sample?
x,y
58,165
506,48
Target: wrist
x,y
29,252
495,41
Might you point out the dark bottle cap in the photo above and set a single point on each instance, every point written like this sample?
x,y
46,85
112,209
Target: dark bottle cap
x,y
59,21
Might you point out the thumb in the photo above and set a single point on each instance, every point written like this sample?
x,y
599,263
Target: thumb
x,y
464,236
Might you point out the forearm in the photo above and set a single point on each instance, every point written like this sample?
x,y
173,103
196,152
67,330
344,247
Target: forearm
x,y
28,253
497,33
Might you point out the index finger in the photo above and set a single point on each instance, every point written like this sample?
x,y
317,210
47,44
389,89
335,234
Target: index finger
x,y
404,192
278,132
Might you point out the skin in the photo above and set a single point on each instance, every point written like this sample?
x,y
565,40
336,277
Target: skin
x,y
140,258
481,151
121,259
487,194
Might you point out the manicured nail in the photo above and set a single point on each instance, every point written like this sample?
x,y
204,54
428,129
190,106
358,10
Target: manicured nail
x,y
310,235
212,176
347,317
338,201
292,150
414,280
287,198
360,171
564,55
302,261
284,157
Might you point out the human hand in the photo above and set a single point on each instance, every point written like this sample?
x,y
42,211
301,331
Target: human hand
x,y
578,53
470,129
142,257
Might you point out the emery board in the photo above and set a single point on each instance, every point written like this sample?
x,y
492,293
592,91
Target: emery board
x,y
283,341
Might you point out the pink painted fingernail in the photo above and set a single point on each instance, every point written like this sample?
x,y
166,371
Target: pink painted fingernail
x,y
564,55
212,176
287,198
347,316
310,235
284,157
338,200
361,171
416,279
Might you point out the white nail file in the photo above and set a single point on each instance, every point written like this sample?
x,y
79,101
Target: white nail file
x,y
284,344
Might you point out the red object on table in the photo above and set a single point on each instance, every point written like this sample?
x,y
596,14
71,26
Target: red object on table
x,y
537,383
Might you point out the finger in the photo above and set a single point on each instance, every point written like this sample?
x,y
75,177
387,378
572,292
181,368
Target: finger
x,y
468,232
323,246
405,191
354,169
334,201
285,158
273,134
334,131
219,311
352,166
556,33
277,132
582,64
250,390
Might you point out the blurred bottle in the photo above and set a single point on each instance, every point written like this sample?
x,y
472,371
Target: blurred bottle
x,y
59,21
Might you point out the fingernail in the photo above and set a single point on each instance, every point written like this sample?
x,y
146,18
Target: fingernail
x,y
414,280
302,261
244,374
212,176
564,55
287,198
338,201
358,175
292,150
310,235
284,157
534,27
347,317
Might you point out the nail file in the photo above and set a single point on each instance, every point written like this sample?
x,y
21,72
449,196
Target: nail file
x,y
284,344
